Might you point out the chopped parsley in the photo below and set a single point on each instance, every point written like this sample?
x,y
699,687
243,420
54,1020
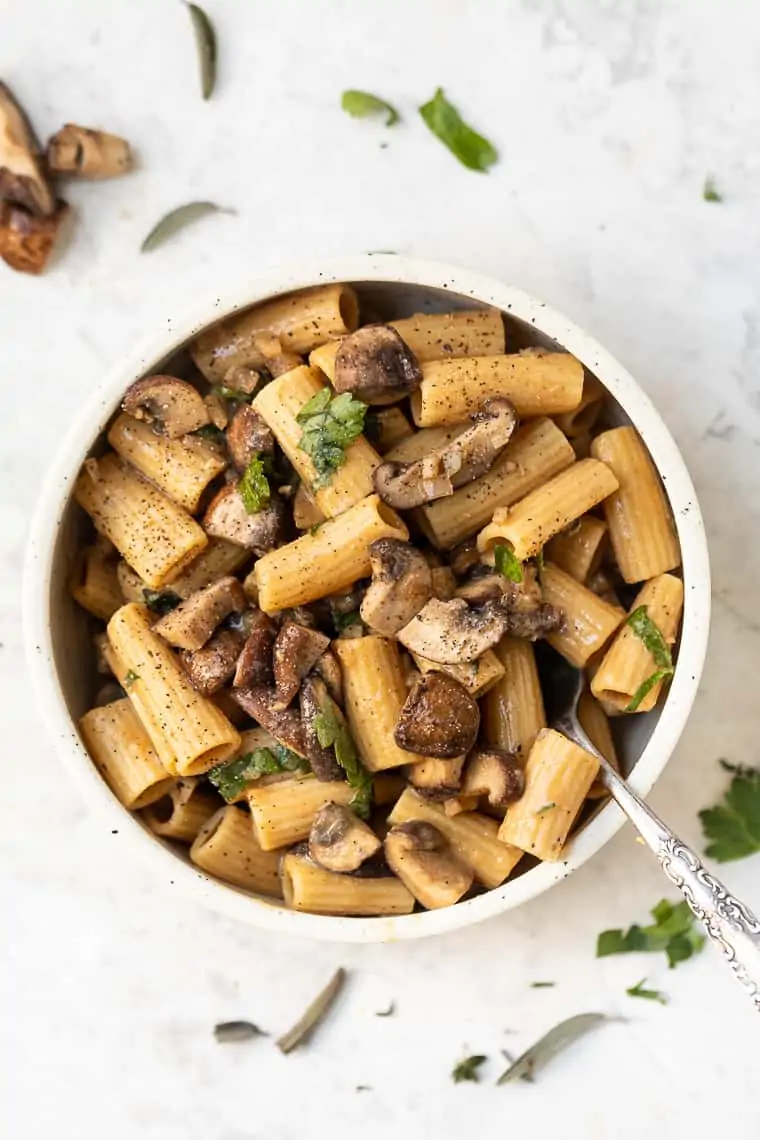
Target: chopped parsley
x,y
343,621
710,192
254,486
130,677
332,732
733,826
672,931
467,1070
506,563
360,104
231,778
647,632
330,423
443,119
650,995
161,601
211,433
227,393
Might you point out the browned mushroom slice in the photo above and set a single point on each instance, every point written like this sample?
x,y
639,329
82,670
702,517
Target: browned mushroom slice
x,y
260,702
217,410
191,624
226,517
427,864
82,152
436,779
438,718
22,175
339,840
495,773
452,633
296,652
210,667
26,240
314,698
248,435
464,557
484,585
464,458
172,406
376,365
328,668
254,666
401,585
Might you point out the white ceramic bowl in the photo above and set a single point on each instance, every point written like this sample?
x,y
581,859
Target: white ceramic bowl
x,y
60,655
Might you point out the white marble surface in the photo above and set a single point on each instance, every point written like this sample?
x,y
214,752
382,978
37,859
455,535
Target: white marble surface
x,y
608,117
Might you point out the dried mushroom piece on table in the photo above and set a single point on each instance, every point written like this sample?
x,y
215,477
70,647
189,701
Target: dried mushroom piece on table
x,y
26,240
22,175
84,152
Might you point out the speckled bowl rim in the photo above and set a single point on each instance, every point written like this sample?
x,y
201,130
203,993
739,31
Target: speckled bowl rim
x,y
55,495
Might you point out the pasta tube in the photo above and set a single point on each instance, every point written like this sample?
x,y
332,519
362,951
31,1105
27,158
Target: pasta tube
x,y
642,530
327,561
529,525
580,421
226,848
472,835
279,403
182,811
537,382
283,813
155,535
590,621
594,722
513,709
188,732
536,452
628,663
94,582
300,321
305,886
182,468
558,776
579,550
374,691
122,753
392,427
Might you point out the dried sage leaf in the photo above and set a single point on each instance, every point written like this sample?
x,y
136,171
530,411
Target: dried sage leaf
x,y
553,1042
176,220
229,1031
205,39
319,1008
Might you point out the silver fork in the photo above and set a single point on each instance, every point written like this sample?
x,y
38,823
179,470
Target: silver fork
x,y
728,922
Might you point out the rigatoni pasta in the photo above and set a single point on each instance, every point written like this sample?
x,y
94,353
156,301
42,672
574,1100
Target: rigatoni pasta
x,y
513,708
182,468
590,621
226,848
123,753
579,550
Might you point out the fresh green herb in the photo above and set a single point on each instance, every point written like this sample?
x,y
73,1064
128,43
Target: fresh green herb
x,y
254,485
647,632
545,807
672,931
467,1070
542,985
387,1012
733,826
638,991
360,104
506,563
314,528
332,732
318,1009
443,119
161,601
343,621
229,1031
710,192
558,1038
231,778
130,677
330,423
228,393
205,39
176,220
210,432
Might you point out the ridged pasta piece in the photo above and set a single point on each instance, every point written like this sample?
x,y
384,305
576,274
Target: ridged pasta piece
x,y
182,468
122,752
94,581
307,887
513,709
182,811
590,621
283,813
579,550
226,848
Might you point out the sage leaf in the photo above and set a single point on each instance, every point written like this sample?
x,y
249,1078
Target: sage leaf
x,y
232,1031
205,40
177,220
542,1051
319,1008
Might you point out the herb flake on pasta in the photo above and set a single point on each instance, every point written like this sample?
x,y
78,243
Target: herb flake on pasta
x,y
648,633
361,105
161,601
330,423
254,486
332,732
443,119
231,778
506,562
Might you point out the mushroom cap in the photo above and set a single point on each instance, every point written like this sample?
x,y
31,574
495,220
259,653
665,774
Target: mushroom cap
x,y
296,652
260,702
248,435
226,517
210,667
339,841
27,240
171,405
401,585
438,718
452,632
22,174
191,623
329,669
254,665
496,773
376,365
427,864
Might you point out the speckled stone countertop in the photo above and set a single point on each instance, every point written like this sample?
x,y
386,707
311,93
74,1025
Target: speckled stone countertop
x,y
608,118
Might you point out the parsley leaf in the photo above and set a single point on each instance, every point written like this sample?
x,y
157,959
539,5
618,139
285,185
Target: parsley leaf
x,y
230,393
211,433
254,485
231,778
651,995
332,732
330,423
161,601
506,563
343,621
443,119
467,1070
672,931
733,826
360,104
130,677
647,632
710,192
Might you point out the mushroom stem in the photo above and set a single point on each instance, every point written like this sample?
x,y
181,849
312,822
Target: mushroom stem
x,y
22,176
82,152
426,863
339,840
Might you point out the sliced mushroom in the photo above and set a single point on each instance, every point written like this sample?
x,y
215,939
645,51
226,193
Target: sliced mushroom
x,y
210,667
464,557
172,406
401,585
438,718
328,668
453,633
254,665
427,864
226,517
27,240
436,779
484,585
82,152
191,624
528,615
439,473
248,435
376,365
22,174
314,700
495,773
217,410
260,702
296,652
339,840
443,581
